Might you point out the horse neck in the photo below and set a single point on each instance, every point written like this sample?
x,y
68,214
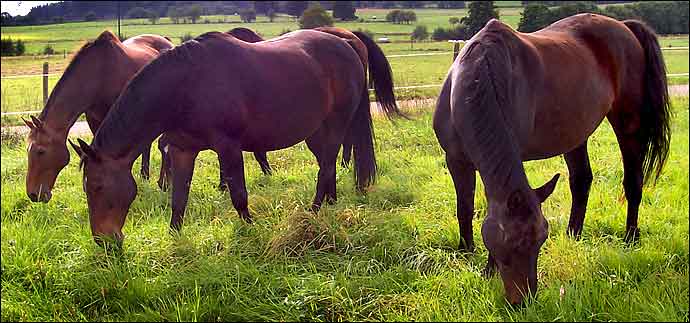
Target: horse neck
x,y
141,113
485,119
88,86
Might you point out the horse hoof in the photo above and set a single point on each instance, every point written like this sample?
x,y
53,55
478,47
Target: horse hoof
x,y
246,217
632,236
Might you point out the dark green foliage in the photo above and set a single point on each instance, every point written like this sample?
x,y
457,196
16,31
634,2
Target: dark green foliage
x,y
401,16
344,10
534,17
420,33
296,8
48,50
91,16
248,15
137,12
315,16
480,12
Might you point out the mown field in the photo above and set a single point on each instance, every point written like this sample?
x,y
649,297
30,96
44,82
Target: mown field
x,y
387,255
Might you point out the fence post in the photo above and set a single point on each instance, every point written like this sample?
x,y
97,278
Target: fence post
x,y
45,83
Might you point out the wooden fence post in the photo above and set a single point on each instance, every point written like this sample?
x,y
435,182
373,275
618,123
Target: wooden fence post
x,y
45,83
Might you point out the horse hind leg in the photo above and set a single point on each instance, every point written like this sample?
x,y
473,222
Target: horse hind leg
x,y
627,133
325,144
232,170
145,161
580,183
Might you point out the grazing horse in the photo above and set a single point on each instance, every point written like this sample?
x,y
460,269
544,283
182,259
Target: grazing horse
x,y
306,85
511,97
91,84
244,34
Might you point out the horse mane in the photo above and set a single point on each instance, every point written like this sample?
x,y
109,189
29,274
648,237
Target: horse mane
x,y
116,131
486,131
245,34
105,38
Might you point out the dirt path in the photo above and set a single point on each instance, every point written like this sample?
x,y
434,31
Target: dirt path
x,y
81,128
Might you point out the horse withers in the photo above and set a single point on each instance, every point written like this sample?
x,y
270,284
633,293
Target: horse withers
x,y
511,97
306,85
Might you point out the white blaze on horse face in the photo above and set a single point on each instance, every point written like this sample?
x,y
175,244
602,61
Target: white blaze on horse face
x,y
28,149
165,149
83,183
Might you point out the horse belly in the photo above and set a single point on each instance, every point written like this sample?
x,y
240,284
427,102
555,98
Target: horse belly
x,y
281,133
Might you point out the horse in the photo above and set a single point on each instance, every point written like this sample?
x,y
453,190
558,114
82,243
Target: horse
x,y
244,34
238,96
510,97
91,83
251,36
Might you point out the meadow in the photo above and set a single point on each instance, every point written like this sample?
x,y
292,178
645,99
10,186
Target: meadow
x,y
390,254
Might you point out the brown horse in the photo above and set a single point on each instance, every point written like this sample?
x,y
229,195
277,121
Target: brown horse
x,y
306,85
91,84
383,96
244,34
512,97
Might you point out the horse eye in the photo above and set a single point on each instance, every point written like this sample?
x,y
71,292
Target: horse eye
x,y
40,152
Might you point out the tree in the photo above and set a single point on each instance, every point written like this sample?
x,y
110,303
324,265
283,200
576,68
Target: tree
x,y
296,8
315,16
271,14
248,15
344,10
90,16
137,12
6,19
393,16
264,7
479,14
534,17
451,4
408,16
453,20
194,13
175,14
19,48
420,33
153,17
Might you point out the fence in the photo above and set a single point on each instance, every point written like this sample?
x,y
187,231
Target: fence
x,y
455,52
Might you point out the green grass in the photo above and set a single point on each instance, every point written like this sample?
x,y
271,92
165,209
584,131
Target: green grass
x,y
387,255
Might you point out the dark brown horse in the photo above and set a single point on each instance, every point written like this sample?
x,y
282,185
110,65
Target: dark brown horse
x,y
512,97
306,85
91,84
244,34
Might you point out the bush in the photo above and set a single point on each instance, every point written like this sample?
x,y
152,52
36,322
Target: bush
x,y
7,47
420,33
19,48
534,17
48,50
344,10
248,15
90,16
315,16
137,12
480,12
401,16
153,17
453,20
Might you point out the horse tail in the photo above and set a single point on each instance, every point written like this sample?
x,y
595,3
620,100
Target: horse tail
x,y
361,136
381,75
655,115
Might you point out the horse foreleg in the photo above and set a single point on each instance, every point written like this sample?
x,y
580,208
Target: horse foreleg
x,y
182,162
232,170
326,154
263,162
145,160
580,182
463,175
165,174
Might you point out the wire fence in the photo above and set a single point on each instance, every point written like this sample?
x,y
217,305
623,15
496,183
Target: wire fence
x,y
409,87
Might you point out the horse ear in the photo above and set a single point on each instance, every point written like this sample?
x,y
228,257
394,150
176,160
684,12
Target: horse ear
x,y
29,124
38,123
545,190
76,148
88,151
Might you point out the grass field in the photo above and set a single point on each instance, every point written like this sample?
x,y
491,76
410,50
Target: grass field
x,y
387,255
25,94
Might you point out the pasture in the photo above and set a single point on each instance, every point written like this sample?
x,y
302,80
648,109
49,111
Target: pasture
x,y
387,255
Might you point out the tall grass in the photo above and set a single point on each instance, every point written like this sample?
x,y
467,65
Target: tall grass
x,y
387,255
